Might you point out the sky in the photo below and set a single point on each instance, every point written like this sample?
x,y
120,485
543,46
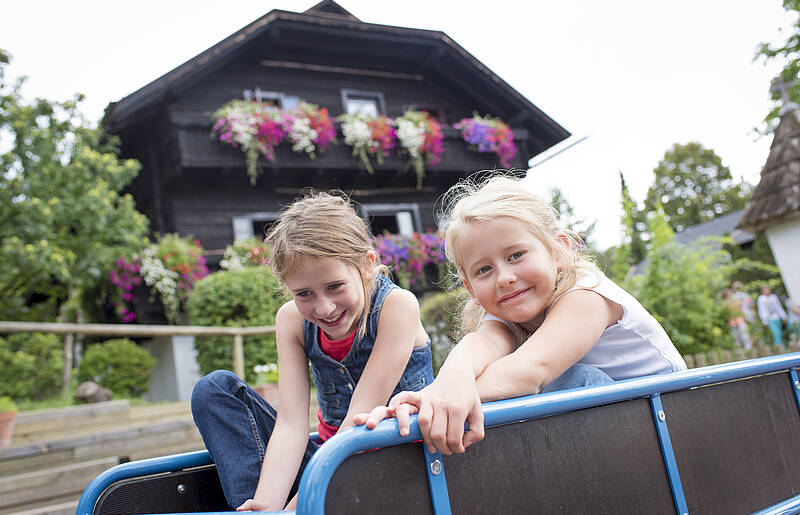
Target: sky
x,y
628,78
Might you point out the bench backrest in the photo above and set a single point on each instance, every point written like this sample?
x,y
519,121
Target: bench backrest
x,y
702,441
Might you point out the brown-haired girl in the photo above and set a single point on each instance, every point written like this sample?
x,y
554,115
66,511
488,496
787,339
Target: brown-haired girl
x,y
361,333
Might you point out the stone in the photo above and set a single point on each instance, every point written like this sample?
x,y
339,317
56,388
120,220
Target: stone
x,y
89,391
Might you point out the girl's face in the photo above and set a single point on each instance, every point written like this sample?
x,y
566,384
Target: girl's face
x,y
329,293
509,271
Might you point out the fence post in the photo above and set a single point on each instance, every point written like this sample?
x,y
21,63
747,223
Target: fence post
x,y
238,356
66,373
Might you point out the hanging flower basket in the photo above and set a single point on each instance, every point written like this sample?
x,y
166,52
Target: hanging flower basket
x,y
372,137
488,134
258,128
417,261
165,271
255,128
421,138
308,128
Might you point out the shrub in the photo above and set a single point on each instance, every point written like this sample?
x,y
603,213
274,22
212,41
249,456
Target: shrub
x,y
680,288
119,365
6,404
31,365
235,298
440,313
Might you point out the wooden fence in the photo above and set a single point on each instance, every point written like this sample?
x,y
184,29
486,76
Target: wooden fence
x,y
70,330
726,356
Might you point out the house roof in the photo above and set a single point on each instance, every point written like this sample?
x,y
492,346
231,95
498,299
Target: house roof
x,y
722,225
777,196
396,50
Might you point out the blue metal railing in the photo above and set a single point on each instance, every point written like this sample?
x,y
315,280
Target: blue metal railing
x,y
321,467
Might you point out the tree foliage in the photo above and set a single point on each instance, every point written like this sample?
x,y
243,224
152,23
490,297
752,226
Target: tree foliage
x,y
633,248
236,298
680,288
693,186
789,52
63,220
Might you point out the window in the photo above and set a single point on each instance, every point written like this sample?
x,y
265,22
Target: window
x,y
436,112
393,218
274,98
369,103
253,224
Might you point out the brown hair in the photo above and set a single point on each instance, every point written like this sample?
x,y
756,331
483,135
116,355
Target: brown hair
x,y
476,200
323,225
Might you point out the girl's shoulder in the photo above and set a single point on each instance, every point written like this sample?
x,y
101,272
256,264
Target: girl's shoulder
x,y
288,316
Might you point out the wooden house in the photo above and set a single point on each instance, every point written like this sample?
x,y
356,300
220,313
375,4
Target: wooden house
x,y
193,184
774,207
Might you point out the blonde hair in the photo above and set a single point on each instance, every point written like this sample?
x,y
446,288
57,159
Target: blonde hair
x,y
479,200
323,225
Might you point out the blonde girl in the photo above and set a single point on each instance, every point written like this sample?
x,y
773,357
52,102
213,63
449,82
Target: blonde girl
x,y
361,333
541,317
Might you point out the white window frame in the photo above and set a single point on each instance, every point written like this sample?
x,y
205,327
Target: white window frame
x,y
243,224
360,94
406,214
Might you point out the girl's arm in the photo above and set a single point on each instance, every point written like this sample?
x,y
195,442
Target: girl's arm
x,y
398,330
571,328
452,398
290,436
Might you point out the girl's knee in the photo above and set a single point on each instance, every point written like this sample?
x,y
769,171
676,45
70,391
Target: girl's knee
x,y
211,384
590,375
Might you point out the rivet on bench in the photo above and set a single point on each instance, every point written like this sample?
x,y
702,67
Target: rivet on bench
x,y
181,489
436,467
797,384
661,416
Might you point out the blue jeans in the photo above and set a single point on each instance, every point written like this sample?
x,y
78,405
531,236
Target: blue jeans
x,y
776,326
236,423
576,376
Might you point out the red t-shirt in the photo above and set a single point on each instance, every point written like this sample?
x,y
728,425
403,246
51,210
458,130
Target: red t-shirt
x,y
336,349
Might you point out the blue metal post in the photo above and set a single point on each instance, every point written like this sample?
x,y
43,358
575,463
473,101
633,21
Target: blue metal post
x,y
437,482
795,386
671,464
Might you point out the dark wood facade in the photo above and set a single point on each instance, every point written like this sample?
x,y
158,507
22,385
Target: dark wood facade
x,y
192,184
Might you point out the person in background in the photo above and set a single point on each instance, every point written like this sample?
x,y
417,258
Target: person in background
x,y
771,313
793,319
738,325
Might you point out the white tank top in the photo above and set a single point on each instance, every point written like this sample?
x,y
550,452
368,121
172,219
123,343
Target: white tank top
x,y
635,346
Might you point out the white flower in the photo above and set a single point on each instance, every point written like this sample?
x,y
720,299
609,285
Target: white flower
x,y
302,135
356,132
163,281
411,136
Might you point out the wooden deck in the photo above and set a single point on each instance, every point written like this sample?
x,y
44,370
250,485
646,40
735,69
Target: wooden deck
x,y
55,453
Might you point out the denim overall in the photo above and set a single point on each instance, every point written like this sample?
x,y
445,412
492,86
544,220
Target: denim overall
x,y
236,423
335,380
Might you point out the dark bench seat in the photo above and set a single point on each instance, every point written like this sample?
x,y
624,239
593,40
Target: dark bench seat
x,y
723,439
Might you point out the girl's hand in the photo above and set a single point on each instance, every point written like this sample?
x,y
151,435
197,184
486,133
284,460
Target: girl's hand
x,y
253,505
443,407
401,412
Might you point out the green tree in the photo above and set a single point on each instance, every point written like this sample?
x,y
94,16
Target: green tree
x,y
63,220
789,52
681,288
633,248
693,186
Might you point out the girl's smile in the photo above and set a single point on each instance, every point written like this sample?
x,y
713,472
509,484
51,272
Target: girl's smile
x,y
514,278
328,293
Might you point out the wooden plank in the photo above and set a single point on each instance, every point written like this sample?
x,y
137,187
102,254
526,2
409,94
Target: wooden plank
x,y
737,444
605,459
47,484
